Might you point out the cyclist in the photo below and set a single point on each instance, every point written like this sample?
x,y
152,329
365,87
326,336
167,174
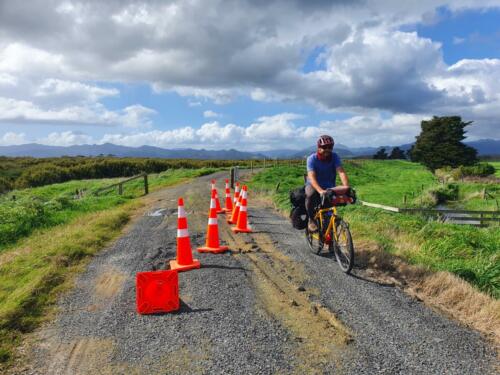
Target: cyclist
x,y
322,168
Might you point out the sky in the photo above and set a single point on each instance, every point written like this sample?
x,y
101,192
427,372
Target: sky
x,y
252,75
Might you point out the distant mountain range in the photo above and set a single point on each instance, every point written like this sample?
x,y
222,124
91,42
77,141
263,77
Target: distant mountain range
x,y
484,147
43,151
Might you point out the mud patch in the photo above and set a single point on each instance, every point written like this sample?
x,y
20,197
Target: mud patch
x,y
108,284
185,360
86,356
320,337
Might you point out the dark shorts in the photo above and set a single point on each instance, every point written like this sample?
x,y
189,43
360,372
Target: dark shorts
x,y
312,200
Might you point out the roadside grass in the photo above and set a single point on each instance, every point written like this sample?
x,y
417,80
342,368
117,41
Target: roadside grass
x,y
39,263
51,205
33,274
469,252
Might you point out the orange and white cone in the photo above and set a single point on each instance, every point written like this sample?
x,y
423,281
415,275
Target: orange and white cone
x,y
229,201
212,244
236,194
217,202
236,211
184,260
242,224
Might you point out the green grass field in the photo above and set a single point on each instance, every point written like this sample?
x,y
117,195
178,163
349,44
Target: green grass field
x,y
46,236
496,164
469,252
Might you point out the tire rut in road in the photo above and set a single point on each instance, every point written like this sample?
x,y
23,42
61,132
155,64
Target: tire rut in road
x,y
321,338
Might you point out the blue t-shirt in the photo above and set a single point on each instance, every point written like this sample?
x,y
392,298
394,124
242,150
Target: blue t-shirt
x,y
326,171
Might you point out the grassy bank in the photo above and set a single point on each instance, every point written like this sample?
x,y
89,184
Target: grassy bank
x,y
39,261
471,253
52,205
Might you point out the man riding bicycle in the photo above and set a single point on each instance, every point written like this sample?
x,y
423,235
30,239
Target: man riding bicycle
x,y
322,168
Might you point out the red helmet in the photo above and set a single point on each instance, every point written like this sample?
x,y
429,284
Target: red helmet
x,y
325,141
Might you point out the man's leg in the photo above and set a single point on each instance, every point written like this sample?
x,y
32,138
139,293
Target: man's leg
x,y
312,200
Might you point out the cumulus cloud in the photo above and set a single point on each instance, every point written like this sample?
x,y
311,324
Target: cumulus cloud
x,y
72,91
66,138
210,114
266,133
11,138
20,111
52,57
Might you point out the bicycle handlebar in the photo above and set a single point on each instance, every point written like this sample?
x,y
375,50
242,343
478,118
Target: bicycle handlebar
x,y
341,190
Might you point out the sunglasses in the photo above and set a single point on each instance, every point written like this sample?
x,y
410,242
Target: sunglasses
x,y
326,147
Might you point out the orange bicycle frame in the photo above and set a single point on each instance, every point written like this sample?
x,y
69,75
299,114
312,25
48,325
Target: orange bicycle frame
x,y
319,215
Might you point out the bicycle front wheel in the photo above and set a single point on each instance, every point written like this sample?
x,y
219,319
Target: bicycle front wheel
x,y
343,247
314,241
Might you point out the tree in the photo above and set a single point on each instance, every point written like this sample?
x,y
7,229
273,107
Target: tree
x,y
397,153
380,154
440,144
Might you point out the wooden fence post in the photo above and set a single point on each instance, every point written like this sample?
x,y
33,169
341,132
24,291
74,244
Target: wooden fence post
x,y
120,189
146,185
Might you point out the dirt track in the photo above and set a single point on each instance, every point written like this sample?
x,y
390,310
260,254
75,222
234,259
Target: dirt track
x,y
269,306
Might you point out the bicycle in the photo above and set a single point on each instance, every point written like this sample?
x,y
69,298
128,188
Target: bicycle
x,y
333,231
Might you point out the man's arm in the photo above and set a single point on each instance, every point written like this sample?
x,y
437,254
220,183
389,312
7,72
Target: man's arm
x,y
314,183
343,176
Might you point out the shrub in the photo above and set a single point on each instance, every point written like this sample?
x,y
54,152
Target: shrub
x,y
5,185
479,169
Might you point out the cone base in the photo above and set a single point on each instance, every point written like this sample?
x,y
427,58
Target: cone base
x,y
227,210
229,221
184,267
214,250
240,230
221,212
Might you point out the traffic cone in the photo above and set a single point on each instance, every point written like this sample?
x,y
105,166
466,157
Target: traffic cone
x,y
236,211
229,201
217,202
184,260
212,243
242,225
236,194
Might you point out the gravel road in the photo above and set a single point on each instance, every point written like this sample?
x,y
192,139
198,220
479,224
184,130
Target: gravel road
x,y
267,307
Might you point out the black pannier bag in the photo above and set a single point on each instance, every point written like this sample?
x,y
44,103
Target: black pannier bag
x,y
298,214
298,197
298,217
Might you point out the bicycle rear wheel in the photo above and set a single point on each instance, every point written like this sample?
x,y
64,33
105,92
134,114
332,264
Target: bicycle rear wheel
x,y
314,241
343,247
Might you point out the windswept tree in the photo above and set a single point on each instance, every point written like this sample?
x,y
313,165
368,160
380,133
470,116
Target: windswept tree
x,y
397,153
380,154
440,144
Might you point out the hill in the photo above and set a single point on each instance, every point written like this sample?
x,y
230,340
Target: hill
x,y
484,147
44,151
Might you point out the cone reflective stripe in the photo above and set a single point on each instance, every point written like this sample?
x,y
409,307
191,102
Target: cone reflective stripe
x,y
212,244
184,260
236,211
236,193
242,224
217,202
229,201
